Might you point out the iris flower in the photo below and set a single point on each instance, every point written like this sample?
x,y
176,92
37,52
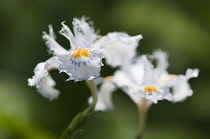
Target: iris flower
x,y
82,61
141,79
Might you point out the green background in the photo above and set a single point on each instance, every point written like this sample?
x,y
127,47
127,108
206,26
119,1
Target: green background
x,y
181,28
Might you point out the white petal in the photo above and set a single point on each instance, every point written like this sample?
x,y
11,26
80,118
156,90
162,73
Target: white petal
x,y
191,73
52,63
39,72
160,95
167,80
120,47
83,68
168,96
134,94
47,89
65,31
162,64
83,36
148,71
105,96
83,31
135,71
154,74
181,88
161,58
42,80
152,97
123,81
54,47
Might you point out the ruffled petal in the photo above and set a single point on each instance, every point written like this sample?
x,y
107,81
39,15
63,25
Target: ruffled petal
x,y
84,32
83,36
66,32
47,89
159,94
148,70
119,46
191,73
153,74
39,72
82,67
162,64
54,47
181,88
153,97
43,81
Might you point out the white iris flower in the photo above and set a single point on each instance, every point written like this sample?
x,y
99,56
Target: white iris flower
x,y
82,61
141,79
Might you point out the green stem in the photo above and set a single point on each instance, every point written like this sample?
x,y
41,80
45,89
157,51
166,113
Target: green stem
x,y
142,109
93,89
73,129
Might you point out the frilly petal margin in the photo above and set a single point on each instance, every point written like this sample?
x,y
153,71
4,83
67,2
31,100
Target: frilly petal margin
x,y
119,46
51,43
84,31
84,68
47,89
84,35
181,88
66,32
43,81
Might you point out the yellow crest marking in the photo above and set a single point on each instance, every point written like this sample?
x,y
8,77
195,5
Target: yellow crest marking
x,y
150,89
79,53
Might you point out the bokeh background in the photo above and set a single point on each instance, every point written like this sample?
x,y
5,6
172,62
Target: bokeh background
x,y
181,28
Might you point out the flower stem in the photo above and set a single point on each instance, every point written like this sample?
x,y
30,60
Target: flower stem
x,y
73,129
143,107
93,89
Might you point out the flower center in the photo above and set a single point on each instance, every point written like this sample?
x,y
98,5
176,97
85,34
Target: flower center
x,y
150,89
79,53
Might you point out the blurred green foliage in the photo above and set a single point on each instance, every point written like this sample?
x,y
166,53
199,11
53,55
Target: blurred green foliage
x,y
181,28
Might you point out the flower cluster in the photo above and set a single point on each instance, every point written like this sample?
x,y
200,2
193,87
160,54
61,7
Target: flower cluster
x,y
142,80
83,60
137,76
